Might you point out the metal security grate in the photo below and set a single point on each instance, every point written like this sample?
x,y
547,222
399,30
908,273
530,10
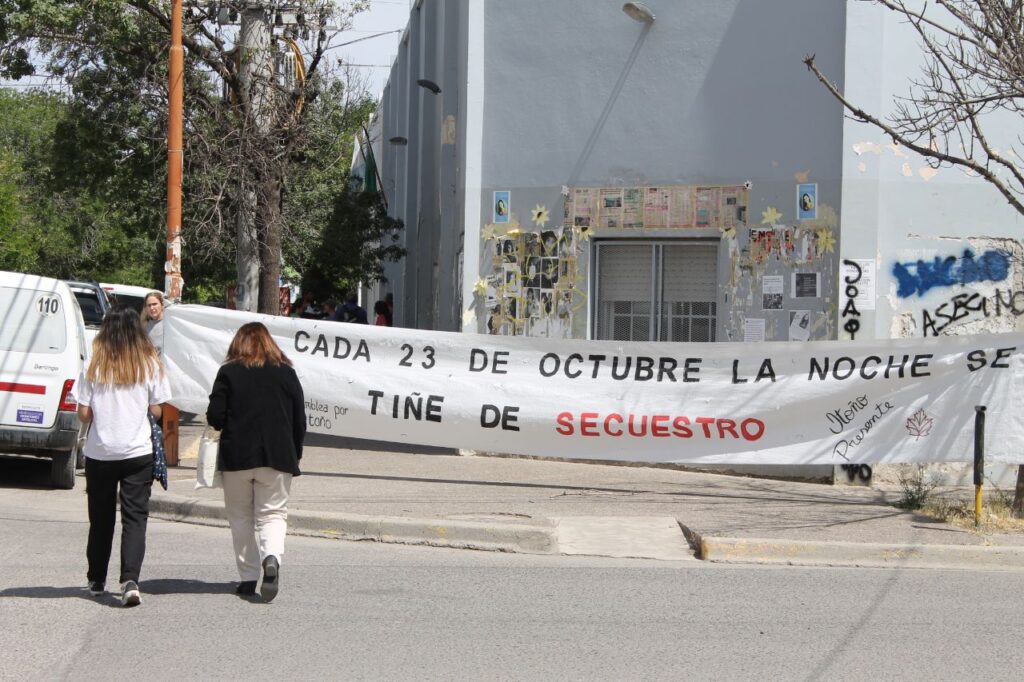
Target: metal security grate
x,y
688,292
650,291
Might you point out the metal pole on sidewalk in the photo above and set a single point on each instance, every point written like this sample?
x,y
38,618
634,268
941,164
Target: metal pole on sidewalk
x,y
979,460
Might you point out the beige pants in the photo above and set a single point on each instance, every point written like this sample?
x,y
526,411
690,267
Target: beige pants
x,y
256,505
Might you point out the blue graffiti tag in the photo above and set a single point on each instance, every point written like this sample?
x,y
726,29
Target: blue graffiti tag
x,y
918,278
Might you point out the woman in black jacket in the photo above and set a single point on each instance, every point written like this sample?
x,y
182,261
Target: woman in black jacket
x,y
257,404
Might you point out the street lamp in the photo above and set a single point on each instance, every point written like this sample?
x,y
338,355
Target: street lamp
x,y
429,85
638,11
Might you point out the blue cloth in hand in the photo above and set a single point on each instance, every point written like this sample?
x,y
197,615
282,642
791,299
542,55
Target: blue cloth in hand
x,y
159,455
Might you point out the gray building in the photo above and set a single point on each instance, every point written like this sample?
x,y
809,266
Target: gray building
x,y
566,170
596,170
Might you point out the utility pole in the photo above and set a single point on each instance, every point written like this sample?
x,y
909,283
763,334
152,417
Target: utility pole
x,y
175,160
255,73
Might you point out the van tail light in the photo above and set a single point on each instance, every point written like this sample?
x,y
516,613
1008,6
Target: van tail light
x,y
67,400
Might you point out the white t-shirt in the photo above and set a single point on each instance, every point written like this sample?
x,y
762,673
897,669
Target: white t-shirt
x,y
120,428
155,329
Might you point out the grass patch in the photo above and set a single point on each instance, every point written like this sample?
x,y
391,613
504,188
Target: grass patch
x,y
917,488
996,513
955,508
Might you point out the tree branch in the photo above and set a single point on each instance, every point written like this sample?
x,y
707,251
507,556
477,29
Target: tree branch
x,y
899,138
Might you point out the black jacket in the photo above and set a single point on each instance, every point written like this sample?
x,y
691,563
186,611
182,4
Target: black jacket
x,y
261,415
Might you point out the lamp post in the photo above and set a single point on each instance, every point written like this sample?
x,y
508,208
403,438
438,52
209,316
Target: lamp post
x,y
175,161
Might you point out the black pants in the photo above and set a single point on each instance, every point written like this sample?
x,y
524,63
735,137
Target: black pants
x,y
135,477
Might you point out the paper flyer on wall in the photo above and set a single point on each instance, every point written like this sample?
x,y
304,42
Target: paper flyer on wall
x,y
584,205
860,274
610,203
799,325
633,208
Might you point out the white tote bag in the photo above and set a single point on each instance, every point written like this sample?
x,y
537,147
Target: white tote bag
x,y
207,475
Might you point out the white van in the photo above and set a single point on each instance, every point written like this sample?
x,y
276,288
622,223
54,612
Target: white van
x,y
126,294
42,349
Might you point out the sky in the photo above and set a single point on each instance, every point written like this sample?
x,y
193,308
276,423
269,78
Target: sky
x,y
376,53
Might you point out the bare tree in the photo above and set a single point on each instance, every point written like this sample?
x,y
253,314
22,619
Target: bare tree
x,y
972,76
253,71
270,72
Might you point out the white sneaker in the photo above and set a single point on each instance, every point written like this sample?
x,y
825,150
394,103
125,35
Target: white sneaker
x,y
130,595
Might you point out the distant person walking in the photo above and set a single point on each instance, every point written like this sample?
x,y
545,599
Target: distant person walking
x,y
153,318
350,311
306,307
382,314
328,308
123,381
257,404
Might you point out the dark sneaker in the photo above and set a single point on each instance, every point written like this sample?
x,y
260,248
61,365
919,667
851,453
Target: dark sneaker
x,y
246,588
130,595
271,578
96,588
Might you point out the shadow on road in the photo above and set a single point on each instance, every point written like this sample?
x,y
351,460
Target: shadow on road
x,y
108,599
27,473
154,587
184,586
318,440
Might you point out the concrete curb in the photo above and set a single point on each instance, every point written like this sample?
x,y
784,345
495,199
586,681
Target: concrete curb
x,y
538,539
860,554
503,537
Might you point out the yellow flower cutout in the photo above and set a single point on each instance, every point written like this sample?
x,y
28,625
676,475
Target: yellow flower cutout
x,y
480,288
826,242
540,215
770,216
489,232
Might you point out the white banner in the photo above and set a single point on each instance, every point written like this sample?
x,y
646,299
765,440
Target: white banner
x,y
829,402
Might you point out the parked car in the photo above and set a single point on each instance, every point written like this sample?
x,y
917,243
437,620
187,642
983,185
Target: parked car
x,y
126,294
92,299
42,351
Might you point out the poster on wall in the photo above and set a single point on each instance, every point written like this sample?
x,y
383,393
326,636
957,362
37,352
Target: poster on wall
x,y
632,208
673,206
799,325
858,281
772,292
709,209
806,284
753,330
502,206
656,207
611,207
583,207
807,201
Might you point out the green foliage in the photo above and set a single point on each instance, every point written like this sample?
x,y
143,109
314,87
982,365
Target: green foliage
x,y
321,170
917,488
358,238
83,183
73,218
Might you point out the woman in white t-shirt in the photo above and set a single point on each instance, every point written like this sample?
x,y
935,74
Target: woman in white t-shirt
x,y
153,319
123,381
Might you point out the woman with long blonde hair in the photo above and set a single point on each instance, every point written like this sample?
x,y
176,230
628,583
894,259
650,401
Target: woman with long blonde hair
x,y
123,382
258,405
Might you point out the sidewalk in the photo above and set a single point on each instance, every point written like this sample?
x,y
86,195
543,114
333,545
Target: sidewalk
x,y
355,491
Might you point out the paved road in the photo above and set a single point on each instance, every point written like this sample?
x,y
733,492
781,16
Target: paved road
x,y
373,611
